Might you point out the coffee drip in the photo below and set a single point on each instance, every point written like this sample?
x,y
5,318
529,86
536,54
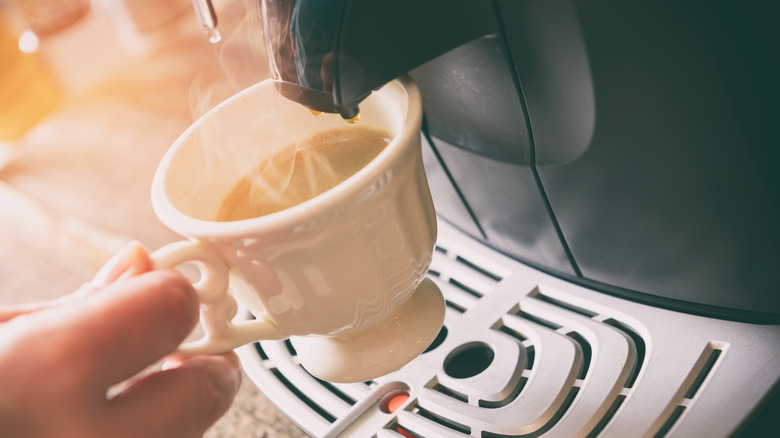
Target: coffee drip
x,y
204,9
353,119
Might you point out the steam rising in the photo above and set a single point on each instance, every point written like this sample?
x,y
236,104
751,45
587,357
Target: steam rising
x,y
239,59
267,154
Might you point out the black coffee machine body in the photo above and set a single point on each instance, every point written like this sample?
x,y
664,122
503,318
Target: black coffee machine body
x,y
621,152
627,146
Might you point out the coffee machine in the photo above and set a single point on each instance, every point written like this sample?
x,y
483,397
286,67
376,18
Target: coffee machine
x,y
605,174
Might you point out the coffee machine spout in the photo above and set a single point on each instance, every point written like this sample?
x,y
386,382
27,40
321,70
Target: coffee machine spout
x,y
329,55
204,9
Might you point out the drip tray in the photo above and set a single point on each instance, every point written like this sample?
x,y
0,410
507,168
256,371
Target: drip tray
x,y
525,354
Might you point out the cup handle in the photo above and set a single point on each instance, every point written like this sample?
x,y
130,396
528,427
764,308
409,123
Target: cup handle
x,y
218,307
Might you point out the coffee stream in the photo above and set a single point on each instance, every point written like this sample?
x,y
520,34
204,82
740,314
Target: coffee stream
x,y
302,170
350,120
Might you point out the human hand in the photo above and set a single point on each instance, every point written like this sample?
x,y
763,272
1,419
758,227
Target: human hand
x,y
58,360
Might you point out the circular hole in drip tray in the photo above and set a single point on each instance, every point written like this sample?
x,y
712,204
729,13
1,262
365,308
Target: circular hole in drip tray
x,y
469,360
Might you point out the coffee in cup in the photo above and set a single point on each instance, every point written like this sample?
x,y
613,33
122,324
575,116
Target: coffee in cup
x,y
302,170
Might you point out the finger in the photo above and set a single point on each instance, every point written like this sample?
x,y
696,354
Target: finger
x,y
140,320
131,260
183,401
8,313
110,336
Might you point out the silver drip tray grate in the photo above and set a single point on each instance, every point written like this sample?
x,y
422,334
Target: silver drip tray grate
x,y
524,354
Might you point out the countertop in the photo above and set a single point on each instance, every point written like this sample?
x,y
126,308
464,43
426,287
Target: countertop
x,y
76,186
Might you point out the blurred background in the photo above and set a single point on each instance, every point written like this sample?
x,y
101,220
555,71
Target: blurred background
x,y
92,94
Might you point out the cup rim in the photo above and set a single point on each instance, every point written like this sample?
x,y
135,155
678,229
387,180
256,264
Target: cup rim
x,y
189,226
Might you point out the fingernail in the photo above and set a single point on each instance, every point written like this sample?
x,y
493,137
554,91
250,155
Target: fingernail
x,y
172,362
227,369
223,372
226,366
118,266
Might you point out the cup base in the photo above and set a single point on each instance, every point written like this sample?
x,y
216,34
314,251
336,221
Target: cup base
x,y
369,355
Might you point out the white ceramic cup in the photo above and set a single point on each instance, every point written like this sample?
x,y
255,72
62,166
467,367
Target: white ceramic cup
x,y
342,274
